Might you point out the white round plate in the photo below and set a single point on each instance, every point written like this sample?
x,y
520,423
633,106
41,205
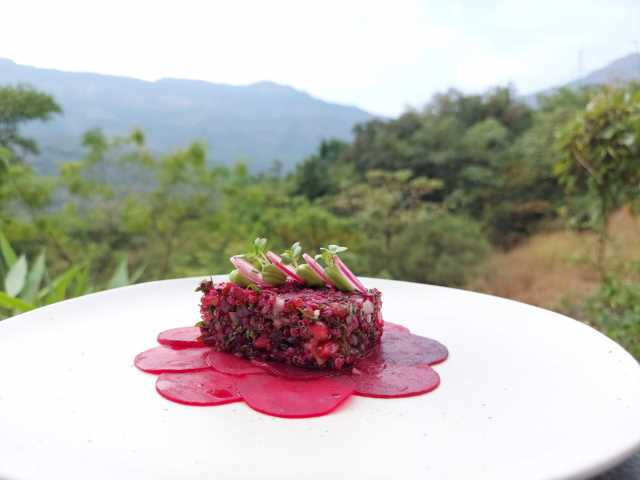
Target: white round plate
x,y
525,393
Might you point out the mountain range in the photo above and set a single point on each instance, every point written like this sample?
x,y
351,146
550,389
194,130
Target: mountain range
x,y
259,123
622,70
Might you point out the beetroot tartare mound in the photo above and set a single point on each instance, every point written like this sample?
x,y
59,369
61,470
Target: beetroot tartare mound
x,y
293,324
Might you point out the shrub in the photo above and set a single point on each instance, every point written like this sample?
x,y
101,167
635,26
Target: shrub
x,y
443,250
615,310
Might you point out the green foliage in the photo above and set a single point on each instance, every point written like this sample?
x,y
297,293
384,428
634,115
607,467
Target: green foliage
x,y
121,277
8,255
321,174
386,202
601,147
16,277
615,310
20,104
292,256
20,187
117,217
26,288
439,141
475,146
34,278
444,250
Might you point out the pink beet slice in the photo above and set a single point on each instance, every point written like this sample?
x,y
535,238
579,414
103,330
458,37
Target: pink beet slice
x,y
164,359
397,381
408,349
291,372
198,388
402,348
394,327
231,365
182,337
294,399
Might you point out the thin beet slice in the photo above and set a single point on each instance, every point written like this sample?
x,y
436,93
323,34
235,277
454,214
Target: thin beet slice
x,y
396,381
198,388
374,363
402,348
394,328
164,359
182,337
294,399
291,372
408,349
231,365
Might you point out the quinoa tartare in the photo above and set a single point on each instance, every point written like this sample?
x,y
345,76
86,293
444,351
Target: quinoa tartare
x,y
313,314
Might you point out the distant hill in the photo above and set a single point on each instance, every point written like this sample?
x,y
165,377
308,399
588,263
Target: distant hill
x,y
622,70
261,122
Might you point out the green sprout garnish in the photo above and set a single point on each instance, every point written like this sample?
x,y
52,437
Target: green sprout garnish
x,y
292,255
236,277
273,276
257,257
261,267
260,245
334,249
327,257
310,277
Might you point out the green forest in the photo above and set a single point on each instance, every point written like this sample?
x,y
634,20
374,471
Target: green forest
x,y
451,194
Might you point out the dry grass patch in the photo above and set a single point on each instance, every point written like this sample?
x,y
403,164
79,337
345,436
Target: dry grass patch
x,y
554,268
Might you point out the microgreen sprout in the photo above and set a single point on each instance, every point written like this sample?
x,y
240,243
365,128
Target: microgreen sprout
x,y
256,256
247,270
338,272
292,255
259,245
273,275
285,270
263,268
335,249
317,269
236,277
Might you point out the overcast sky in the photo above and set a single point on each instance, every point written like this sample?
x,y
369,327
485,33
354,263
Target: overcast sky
x,y
381,56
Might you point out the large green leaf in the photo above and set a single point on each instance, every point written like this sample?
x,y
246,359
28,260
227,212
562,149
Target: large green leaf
x,y
81,283
34,278
120,277
57,289
8,254
137,274
16,277
14,304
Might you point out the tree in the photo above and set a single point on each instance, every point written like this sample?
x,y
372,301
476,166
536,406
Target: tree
x,y
318,175
122,197
443,249
387,202
458,139
20,188
18,105
601,158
